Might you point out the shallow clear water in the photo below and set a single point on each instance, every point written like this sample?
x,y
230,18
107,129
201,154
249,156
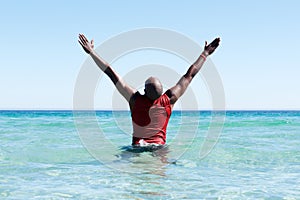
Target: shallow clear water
x,y
257,156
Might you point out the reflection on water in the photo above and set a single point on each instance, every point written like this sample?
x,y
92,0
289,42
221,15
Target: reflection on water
x,y
149,164
143,159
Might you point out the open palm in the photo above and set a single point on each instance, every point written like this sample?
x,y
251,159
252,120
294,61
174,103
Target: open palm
x,y
86,45
210,48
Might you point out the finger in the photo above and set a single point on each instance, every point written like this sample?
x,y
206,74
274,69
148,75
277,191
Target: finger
x,y
215,43
84,48
81,36
82,40
92,41
85,38
80,43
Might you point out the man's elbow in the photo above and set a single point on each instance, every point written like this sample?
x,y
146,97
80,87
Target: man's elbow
x,y
188,78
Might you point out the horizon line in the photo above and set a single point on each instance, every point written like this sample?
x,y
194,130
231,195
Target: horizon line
x,y
176,110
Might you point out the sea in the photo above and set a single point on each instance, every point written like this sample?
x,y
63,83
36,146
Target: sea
x,y
209,155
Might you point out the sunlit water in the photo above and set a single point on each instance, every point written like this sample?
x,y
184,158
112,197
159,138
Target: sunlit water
x,y
257,156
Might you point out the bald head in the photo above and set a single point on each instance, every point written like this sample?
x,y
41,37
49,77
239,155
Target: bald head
x,y
153,88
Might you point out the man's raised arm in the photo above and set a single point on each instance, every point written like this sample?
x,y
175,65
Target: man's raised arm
x,y
125,90
175,92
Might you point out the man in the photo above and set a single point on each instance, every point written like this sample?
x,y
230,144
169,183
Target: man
x,y
150,112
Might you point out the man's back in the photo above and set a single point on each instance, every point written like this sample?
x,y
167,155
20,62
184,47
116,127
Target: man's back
x,y
150,119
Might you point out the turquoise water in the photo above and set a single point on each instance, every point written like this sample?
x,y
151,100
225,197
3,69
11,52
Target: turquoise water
x,y
257,156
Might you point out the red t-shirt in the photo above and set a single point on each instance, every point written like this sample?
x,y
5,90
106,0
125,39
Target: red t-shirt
x,y
150,119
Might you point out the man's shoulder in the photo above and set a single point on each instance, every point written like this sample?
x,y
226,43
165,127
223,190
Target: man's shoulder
x,y
133,98
164,99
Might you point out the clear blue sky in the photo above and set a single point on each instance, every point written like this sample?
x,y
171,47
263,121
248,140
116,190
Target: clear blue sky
x,y
258,59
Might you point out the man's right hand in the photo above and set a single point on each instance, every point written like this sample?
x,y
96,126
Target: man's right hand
x,y
209,49
86,45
